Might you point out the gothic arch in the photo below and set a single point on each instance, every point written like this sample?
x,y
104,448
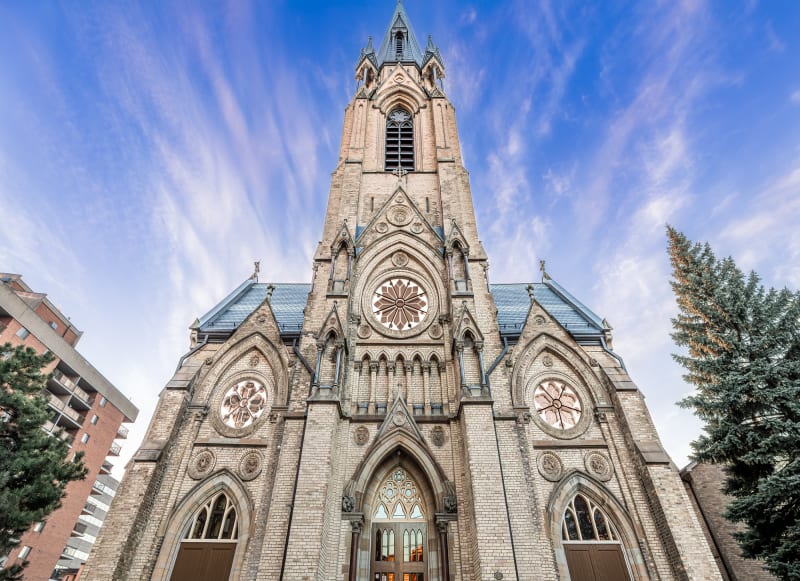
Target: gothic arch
x,y
396,446
173,528
401,96
576,482
231,353
545,343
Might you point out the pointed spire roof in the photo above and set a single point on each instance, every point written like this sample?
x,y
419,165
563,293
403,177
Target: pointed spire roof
x,y
410,47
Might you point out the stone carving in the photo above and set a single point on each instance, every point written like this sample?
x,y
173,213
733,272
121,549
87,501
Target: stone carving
x,y
417,227
364,331
400,258
547,361
450,504
209,361
598,466
550,466
254,361
436,331
202,464
399,216
361,435
399,418
262,319
381,227
438,436
399,199
250,466
539,320
348,503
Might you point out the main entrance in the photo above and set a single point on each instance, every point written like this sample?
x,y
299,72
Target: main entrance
x,y
399,531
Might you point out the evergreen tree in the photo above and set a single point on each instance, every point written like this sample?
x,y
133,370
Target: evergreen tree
x,y
743,345
33,468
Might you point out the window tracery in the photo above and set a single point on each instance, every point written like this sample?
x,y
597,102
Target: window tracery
x,y
399,498
400,304
557,404
216,520
243,404
399,141
585,521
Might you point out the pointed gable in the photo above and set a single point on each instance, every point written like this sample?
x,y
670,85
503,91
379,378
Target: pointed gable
x,y
399,212
399,418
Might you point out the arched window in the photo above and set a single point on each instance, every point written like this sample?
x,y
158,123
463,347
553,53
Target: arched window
x,y
215,520
591,543
399,141
398,45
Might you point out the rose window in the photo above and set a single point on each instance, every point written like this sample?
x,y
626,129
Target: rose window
x,y
400,304
243,403
557,404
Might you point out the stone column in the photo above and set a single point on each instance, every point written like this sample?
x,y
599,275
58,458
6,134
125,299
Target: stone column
x,y
373,385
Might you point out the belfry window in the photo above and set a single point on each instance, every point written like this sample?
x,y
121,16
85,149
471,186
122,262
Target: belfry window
x,y
399,141
398,45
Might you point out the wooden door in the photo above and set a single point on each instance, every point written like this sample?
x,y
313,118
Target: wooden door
x,y
596,562
399,551
203,561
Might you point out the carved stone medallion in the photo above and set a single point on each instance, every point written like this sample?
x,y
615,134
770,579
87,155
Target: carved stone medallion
x,y
400,258
547,361
539,320
254,361
399,418
399,199
550,467
361,435
250,466
399,216
598,465
435,331
202,464
364,331
417,227
438,436
381,227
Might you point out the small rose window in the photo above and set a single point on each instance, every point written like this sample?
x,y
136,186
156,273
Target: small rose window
x,y
400,304
243,403
557,404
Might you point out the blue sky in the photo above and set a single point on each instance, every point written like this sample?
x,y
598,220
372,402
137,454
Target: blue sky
x,y
150,151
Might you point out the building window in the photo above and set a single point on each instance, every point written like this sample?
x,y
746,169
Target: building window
x,y
216,520
84,438
103,402
399,141
94,420
53,325
557,404
38,526
24,552
398,45
23,333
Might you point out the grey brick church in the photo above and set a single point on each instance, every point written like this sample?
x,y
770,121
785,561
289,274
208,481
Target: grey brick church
x,y
400,418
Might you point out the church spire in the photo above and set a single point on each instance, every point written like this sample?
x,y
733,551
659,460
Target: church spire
x,y
399,43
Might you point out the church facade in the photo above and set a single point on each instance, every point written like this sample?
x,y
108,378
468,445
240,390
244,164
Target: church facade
x,y
399,418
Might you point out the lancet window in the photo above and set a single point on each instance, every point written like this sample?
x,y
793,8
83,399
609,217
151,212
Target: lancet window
x,y
585,521
399,141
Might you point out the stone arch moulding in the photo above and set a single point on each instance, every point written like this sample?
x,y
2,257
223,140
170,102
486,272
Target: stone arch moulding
x,y
575,482
570,357
230,354
173,527
401,96
382,452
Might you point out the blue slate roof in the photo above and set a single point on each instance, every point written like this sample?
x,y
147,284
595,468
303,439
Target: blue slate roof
x,y
512,300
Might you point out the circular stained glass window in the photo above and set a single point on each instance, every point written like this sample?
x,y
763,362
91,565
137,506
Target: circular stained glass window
x,y
243,403
557,404
400,304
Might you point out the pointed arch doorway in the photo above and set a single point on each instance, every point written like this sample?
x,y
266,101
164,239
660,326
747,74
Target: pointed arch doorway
x,y
399,539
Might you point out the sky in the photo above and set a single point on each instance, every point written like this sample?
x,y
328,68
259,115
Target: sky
x,y
151,151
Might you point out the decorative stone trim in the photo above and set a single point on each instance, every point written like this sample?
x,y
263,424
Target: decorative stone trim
x,y
202,464
599,466
250,466
361,435
550,466
438,437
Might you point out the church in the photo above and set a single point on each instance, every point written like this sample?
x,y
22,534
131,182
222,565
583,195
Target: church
x,y
400,418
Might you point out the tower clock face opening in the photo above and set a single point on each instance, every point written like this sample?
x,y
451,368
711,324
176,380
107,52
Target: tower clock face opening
x,y
400,304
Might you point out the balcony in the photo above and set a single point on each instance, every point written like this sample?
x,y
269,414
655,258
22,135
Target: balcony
x,y
82,396
106,468
64,380
114,450
89,508
122,432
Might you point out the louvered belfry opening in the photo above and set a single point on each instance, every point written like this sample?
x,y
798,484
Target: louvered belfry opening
x,y
398,40
399,141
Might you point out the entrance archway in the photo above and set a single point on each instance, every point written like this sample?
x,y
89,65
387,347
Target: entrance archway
x,y
399,532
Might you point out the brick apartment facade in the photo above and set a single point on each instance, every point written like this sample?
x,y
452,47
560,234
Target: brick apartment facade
x,y
88,411
400,417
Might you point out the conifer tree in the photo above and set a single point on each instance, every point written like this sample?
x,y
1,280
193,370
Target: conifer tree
x,y
743,357
34,470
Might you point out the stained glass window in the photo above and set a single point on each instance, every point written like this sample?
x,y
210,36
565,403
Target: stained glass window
x,y
216,519
557,404
585,521
400,304
399,498
243,404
